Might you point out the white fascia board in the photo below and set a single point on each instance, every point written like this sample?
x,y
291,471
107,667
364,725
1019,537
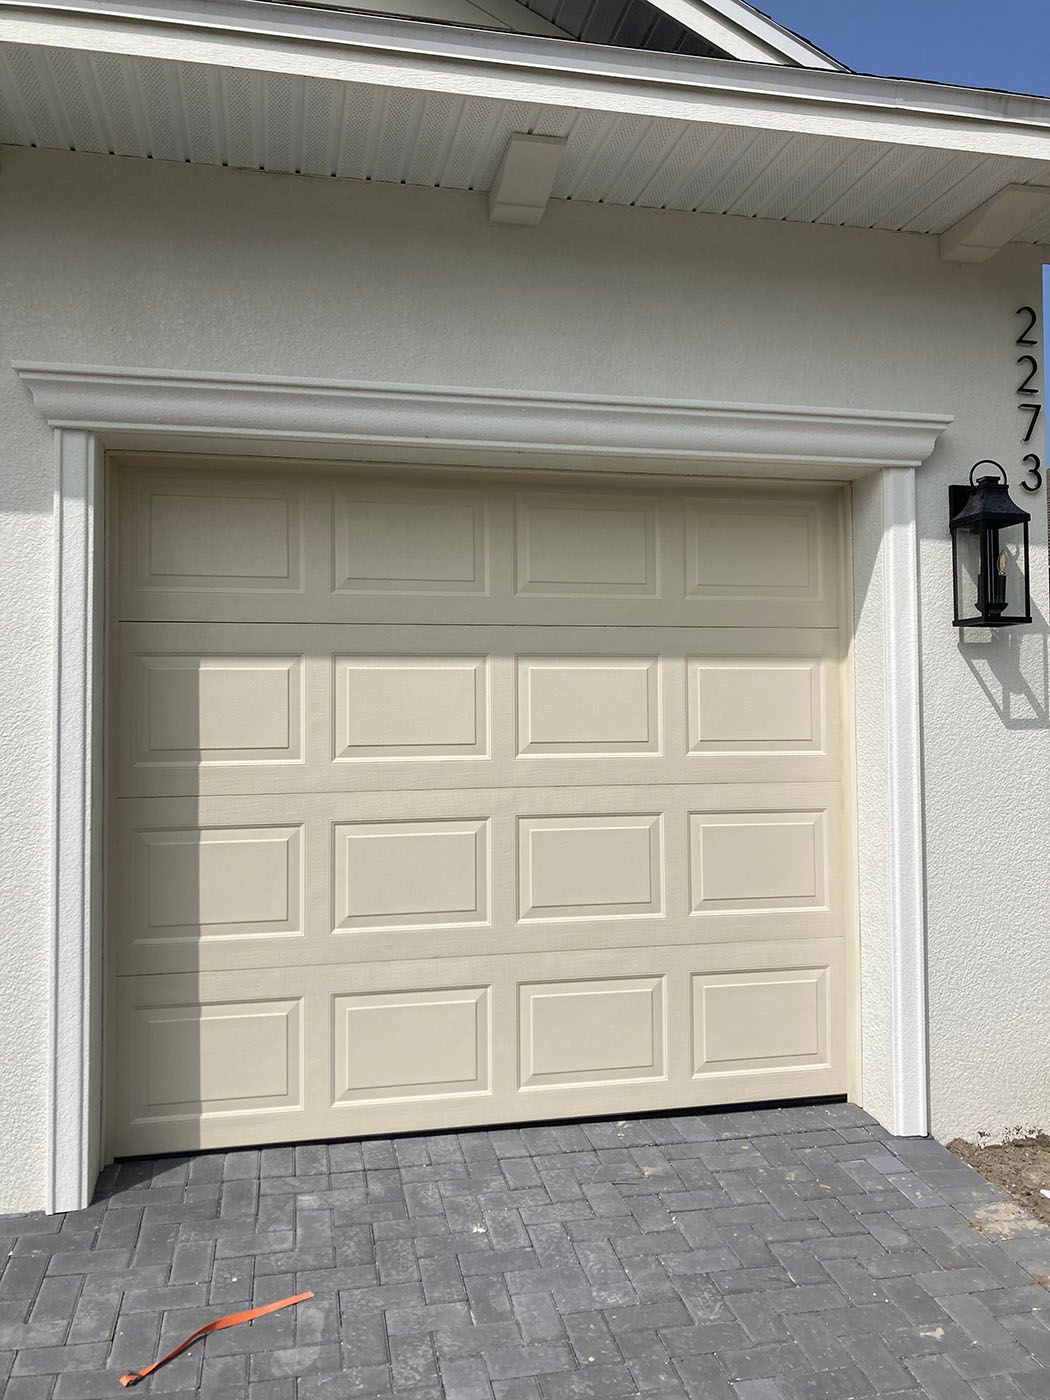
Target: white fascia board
x,y
739,30
792,46
982,233
525,178
343,47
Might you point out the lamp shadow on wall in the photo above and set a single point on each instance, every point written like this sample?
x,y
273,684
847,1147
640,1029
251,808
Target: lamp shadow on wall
x,y
1012,667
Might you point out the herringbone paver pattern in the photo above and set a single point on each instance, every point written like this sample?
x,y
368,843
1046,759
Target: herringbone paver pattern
x,y
789,1254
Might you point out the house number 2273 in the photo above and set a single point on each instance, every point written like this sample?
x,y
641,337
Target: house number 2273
x,y
1028,394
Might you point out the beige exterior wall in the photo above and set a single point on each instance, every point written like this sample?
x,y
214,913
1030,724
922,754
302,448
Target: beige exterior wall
x,y
110,261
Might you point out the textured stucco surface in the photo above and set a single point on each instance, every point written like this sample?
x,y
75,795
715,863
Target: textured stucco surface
x,y
138,263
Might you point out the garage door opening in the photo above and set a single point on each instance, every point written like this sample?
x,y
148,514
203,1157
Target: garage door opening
x,y
439,798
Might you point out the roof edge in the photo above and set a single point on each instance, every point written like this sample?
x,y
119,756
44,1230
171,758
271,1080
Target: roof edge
x,y
748,34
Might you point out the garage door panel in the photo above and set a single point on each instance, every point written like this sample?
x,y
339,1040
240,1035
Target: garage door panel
x,y
411,708
190,535
770,861
744,1022
583,1032
204,711
218,1059
767,548
428,541
577,707
223,882
411,1043
214,883
576,546
357,547
396,875
188,1055
591,866
439,799
191,710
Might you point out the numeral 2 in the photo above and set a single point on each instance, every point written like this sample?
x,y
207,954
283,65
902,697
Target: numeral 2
x,y
1033,319
1024,386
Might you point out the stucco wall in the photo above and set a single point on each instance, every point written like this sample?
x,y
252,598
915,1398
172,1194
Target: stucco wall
x,y
138,263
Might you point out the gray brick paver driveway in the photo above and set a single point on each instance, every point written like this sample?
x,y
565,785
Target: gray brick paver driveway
x,y
784,1254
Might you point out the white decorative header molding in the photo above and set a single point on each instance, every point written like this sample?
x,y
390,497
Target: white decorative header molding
x,y
112,400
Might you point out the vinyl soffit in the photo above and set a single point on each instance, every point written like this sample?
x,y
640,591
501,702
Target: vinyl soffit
x,y
211,114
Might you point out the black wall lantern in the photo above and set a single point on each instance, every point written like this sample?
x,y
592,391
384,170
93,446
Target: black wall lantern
x,y
989,552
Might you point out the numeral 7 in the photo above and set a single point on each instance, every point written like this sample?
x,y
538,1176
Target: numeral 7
x,y
1034,409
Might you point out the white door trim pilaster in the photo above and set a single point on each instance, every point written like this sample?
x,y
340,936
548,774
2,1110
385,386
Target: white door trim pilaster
x,y
905,845
72,1004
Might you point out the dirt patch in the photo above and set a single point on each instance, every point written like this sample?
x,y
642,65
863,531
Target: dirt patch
x,y
1021,1168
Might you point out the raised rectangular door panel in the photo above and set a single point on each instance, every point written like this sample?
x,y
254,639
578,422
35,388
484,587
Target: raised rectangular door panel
x,y
196,710
588,706
409,542
218,883
758,860
411,707
187,1058
404,874
766,555
588,867
745,1022
412,1044
766,705
187,533
441,798
591,1031
568,546
246,540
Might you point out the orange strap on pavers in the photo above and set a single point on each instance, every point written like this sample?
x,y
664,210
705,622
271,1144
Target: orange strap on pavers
x,y
133,1377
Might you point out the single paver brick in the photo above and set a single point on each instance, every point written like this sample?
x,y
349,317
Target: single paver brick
x,y
590,1338
807,1298
95,1318
758,1390
428,1318
647,1315
847,1384
540,1321
590,1383
52,1361
536,1360
466,1379
703,1378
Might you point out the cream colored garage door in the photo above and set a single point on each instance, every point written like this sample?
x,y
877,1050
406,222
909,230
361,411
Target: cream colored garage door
x,y
439,799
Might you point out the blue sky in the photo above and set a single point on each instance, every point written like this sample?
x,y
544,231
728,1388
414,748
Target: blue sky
x,y
976,43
